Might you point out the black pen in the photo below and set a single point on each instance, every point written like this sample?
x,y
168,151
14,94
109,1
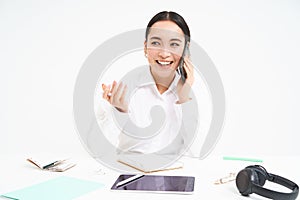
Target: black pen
x,y
52,164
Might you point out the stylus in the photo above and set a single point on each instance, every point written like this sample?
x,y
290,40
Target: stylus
x,y
129,180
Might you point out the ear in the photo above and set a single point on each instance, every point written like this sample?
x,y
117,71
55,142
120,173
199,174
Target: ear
x,y
145,47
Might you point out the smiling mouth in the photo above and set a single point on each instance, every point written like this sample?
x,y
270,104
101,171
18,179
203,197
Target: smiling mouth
x,y
164,63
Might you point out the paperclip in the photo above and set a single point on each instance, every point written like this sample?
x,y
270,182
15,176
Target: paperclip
x,y
100,172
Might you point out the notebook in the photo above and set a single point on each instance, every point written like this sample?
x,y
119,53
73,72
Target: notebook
x,y
150,163
56,165
61,188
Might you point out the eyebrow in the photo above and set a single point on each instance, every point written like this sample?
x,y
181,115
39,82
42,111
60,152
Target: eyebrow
x,y
175,39
158,38
155,38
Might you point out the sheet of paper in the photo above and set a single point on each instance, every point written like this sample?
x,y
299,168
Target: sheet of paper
x,y
61,188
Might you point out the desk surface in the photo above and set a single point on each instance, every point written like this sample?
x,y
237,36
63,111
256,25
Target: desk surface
x,y
17,173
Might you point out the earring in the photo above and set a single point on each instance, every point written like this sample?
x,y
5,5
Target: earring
x,y
146,55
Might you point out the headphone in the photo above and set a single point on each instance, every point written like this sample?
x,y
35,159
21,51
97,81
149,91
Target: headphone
x,y
252,179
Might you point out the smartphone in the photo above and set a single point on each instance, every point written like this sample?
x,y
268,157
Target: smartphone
x,y
180,70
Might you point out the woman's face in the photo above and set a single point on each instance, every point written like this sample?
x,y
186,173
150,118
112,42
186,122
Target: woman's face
x,y
164,47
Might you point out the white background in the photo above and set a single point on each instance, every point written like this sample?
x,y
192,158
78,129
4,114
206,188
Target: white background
x,y
255,46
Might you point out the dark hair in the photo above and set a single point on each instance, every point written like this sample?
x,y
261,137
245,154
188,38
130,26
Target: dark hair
x,y
171,16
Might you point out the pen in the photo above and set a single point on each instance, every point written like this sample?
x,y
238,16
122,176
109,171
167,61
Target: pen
x,y
129,180
52,164
242,159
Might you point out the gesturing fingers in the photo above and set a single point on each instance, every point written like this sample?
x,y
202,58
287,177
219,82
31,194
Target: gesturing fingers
x,y
113,88
115,95
117,98
115,92
106,91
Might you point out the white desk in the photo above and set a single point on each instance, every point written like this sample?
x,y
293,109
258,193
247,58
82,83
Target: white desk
x,y
17,173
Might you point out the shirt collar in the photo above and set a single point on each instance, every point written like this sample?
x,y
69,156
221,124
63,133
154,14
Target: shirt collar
x,y
148,80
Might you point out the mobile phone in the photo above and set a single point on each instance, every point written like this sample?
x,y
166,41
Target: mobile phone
x,y
181,71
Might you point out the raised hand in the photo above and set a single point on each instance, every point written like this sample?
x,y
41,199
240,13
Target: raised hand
x,y
183,89
115,95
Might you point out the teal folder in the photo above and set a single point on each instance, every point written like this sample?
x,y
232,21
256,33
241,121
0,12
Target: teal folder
x,y
61,188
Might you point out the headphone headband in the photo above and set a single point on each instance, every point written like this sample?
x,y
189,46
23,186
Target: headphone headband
x,y
252,178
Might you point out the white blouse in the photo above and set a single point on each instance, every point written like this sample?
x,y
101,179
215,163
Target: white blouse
x,y
143,98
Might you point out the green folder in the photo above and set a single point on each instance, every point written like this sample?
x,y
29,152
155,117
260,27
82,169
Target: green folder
x,y
61,188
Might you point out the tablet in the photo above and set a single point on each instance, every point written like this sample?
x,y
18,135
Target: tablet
x,y
155,183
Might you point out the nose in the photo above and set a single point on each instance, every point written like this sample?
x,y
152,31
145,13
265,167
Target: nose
x,y
164,53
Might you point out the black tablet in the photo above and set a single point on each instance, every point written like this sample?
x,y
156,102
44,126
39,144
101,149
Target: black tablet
x,y
155,183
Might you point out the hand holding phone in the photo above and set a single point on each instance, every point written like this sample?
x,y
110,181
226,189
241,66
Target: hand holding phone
x,y
185,70
181,71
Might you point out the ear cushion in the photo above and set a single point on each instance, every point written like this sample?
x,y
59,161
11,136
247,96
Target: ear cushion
x,y
243,182
260,173
246,178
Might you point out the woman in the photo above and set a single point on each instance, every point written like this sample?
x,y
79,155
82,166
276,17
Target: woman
x,y
167,39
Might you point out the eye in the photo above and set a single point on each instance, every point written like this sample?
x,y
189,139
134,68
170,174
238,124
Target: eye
x,y
174,44
155,43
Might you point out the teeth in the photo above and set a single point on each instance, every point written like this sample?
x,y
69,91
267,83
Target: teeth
x,y
164,62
